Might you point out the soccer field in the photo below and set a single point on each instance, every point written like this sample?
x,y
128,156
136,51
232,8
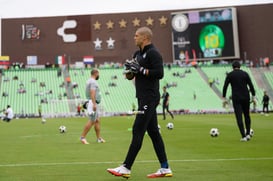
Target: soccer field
x,y
31,150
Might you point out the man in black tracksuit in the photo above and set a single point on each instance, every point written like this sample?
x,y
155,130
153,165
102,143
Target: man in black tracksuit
x,y
240,86
148,71
265,102
166,98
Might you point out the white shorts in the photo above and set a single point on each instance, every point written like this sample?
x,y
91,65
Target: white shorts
x,y
92,115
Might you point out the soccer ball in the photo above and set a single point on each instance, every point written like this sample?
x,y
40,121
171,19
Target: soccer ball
x,y
251,132
170,126
43,120
214,132
129,75
62,129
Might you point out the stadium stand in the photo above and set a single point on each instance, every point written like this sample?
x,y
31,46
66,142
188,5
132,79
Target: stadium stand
x,y
269,78
187,83
189,88
32,81
117,92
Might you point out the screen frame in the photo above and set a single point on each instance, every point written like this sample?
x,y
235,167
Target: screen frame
x,y
185,26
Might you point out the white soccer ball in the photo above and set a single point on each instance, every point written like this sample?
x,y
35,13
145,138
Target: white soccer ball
x,y
214,132
43,120
62,129
251,132
170,126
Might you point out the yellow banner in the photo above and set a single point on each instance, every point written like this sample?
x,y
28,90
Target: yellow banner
x,y
4,58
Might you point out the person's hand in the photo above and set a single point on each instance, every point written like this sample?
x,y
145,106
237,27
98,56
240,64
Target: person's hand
x,y
136,68
127,64
129,74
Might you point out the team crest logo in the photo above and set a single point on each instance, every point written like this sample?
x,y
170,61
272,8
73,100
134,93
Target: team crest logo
x,y
68,24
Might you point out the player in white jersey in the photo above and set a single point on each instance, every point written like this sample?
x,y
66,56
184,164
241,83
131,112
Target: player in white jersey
x,y
8,114
94,97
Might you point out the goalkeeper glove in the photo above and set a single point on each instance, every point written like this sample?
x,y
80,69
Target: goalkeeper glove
x,y
127,67
136,68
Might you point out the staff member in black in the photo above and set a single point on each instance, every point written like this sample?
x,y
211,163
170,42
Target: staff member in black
x,y
265,102
166,99
148,70
240,86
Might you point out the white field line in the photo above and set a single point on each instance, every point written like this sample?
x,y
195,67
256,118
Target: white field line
x,y
143,161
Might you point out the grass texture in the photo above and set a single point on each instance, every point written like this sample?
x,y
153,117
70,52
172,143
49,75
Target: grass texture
x,y
30,150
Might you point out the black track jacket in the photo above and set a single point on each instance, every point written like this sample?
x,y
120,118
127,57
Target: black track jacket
x,y
147,87
240,81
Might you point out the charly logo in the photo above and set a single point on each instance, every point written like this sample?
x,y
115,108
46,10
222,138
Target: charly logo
x,y
68,24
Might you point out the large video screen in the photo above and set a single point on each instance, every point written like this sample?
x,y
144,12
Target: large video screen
x,y
205,35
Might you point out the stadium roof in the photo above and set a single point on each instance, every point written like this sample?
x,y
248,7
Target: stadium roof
x,y
34,8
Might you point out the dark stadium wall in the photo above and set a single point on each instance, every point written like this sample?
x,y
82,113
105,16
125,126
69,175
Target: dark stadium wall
x,y
22,37
255,32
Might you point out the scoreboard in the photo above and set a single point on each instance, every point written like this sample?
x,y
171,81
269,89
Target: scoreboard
x,y
205,35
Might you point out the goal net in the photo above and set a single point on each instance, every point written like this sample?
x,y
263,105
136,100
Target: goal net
x,y
67,108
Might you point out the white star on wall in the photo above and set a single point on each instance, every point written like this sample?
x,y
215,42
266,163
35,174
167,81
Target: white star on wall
x,y
110,43
97,43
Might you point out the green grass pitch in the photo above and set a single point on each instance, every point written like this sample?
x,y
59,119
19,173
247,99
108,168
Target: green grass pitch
x,y
30,150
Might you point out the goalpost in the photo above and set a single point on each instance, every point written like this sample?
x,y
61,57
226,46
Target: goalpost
x,y
63,108
66,108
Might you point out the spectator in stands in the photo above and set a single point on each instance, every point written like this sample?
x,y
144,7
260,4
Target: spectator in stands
x,y
21,84
6,79
62,85
49,92
44,100
82,71
42,84
5,94
21,90
33,80
166,100
8,114
74,85
240,86
265,102
113,77
112,84
194,96
59,73
60,96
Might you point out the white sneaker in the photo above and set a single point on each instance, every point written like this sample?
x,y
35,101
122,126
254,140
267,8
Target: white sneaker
x,y
101,140
244,139
84,141
162,172
120,171
248,137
